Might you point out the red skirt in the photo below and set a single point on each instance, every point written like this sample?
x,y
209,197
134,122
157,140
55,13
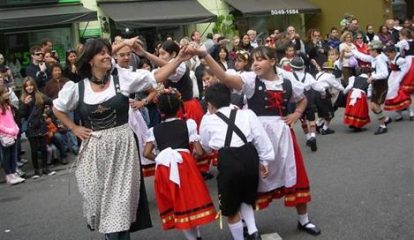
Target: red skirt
x,y
400,102
185,206
192,110
298,194
407,83
357,115
206,161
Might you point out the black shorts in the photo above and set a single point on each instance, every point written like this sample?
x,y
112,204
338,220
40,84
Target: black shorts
x,y
238,177
324,105
379,91
311,109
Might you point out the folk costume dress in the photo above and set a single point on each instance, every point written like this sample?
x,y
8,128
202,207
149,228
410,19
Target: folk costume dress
x,y
191,108
108,173
356,109
397,99
182,196
407,50
241,143
270,101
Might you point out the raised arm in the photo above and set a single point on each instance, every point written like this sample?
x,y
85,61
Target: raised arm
x,y
231,81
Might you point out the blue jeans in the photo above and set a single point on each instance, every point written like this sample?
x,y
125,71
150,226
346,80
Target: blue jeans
x,y
59,141
9,158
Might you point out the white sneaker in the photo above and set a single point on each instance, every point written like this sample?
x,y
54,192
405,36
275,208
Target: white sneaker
x,y
11,180
35,176
18,178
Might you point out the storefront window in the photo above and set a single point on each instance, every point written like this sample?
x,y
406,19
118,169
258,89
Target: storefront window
x,y
20,43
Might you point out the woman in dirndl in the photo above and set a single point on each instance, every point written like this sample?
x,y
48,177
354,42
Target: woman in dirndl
x,y
108,173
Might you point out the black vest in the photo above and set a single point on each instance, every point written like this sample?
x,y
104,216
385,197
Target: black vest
x,y
260,103
172,134
410,52
109,114
184,86
361,83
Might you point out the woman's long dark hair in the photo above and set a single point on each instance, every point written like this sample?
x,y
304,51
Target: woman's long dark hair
x,y
68,52
91,48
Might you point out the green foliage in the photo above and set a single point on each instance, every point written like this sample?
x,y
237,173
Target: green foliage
x,y
224,25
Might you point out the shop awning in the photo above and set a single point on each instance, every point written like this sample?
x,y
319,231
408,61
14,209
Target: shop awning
x,y
272,7
47,15
156,13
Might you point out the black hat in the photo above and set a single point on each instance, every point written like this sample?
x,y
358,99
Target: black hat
x,y
297,63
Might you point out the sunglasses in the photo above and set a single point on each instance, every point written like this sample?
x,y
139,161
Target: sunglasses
x,y
359,38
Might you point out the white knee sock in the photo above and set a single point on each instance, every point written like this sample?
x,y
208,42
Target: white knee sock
x,y
190,234
236,230
247,214
326,125
303,219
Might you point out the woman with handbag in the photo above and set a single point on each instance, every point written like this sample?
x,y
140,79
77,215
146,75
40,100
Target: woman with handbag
x,y
32,108
8,135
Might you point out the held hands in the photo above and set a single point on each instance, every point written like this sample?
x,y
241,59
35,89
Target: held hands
x,y
82,132
264,170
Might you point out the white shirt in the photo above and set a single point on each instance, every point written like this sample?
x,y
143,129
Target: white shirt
x,y
308,83
249,85
328,80
379,63
403,46
129,82
213,133
403,65
179,73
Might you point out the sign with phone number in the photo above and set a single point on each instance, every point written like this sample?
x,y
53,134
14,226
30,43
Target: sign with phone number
x,y
284,11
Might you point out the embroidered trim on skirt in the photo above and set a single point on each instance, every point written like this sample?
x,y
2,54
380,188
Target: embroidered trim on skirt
x,y
108,176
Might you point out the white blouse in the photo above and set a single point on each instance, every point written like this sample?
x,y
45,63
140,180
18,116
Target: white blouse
x,y
249,85
191,126
129,82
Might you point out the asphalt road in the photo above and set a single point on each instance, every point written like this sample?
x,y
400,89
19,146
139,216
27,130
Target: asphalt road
x,y
362,188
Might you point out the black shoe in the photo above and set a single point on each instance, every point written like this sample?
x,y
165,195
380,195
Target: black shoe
x,y
254,236
399,119
312,144
308,142
411,118
315,231
327,131
355,129
380,130
207,176
48,172
387,121
199,238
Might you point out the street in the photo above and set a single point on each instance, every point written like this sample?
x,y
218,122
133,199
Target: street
x,y
362,188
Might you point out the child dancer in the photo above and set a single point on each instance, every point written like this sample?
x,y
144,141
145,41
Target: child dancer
x,y
396,99
181,80
326,80
378,81
312,88
356,111
268,95
406,46
240,149
182,196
